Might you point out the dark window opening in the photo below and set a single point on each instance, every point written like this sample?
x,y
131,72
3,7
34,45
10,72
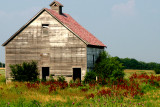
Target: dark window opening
x,y
45,25
45,28
45,72
76,74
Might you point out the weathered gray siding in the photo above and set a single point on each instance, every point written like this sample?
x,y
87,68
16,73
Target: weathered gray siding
x,y
92,55
56,48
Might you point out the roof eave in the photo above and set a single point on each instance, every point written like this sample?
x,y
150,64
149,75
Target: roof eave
x,y
97,45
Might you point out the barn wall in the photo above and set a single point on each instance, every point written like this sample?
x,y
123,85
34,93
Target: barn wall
x,y
92,55
55,47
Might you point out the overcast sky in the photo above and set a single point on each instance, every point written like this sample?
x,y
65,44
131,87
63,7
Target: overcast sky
x,y
129,28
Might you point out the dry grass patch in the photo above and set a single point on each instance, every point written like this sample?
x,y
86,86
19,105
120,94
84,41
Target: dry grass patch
x,y
139,71
72,94
42,97
2,68
129,72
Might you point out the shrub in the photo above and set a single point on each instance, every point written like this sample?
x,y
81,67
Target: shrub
x,y
51,78
90,76
108,67
61,79
27,71
71,82
157,70
117,75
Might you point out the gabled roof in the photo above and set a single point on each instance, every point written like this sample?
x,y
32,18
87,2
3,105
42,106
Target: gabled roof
x,y
67,21
58,3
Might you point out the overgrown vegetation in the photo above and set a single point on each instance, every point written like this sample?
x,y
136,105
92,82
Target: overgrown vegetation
x,y
27,71
61,79
90,77
138,90
106,67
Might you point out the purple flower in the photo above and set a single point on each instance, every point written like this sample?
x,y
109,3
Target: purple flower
x,y
99,100
8,103
73,103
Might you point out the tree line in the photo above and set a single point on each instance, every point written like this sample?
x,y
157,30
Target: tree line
x,y
131,63
2,65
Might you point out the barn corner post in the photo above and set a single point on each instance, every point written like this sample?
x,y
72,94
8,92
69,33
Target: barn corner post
x,y
5,67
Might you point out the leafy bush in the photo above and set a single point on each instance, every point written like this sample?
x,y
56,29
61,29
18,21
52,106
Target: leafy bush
x,y
51,78
27,71
61,79
157,70
71,82
90,76
108,67
117,75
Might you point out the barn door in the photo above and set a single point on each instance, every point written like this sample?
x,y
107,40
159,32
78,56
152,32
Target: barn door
x,y
76,73
45,72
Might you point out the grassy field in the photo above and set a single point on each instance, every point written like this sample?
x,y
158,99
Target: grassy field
x,y
2,71
129,72
18,94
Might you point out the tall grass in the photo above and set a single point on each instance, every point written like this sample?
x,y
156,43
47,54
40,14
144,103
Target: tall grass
x,y
2,76
18,94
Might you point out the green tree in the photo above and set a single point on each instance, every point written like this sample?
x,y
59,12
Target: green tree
x,y
108,67
90,77
2,65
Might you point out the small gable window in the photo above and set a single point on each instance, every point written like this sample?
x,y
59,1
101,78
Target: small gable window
x,y
45,29
45,25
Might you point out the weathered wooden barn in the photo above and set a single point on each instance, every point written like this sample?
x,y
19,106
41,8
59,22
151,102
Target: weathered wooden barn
x,y
57,42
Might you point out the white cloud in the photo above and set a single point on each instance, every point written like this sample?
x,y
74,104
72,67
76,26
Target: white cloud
x,y
124,8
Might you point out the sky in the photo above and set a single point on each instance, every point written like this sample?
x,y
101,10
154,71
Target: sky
x,y
129,28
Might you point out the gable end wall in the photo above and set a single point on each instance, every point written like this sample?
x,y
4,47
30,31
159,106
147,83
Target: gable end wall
x,y
58,49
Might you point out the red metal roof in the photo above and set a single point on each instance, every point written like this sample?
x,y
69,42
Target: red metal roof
x,y
67,20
